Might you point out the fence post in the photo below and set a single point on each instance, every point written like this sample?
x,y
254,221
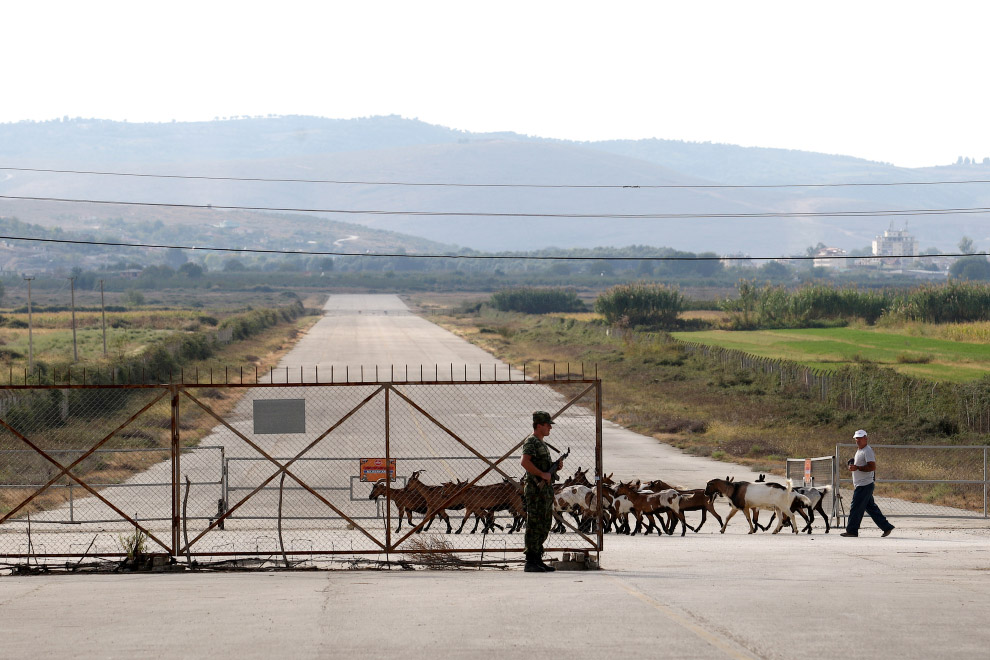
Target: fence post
x,y
598,462
388,482
835,491
176,469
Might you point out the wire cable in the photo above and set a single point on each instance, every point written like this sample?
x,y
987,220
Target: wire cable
x,y
323,253
498,185
489,214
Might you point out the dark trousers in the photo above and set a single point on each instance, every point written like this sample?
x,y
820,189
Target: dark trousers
x,y
863,503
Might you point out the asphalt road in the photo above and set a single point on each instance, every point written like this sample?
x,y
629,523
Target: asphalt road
x,y
923,592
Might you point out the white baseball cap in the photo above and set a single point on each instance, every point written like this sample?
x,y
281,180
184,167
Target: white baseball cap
x,y
859,434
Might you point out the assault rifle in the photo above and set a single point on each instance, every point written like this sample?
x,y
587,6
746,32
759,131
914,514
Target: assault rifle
x,y
556,465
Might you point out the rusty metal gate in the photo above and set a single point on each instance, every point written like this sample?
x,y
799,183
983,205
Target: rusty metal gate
x,y
282,469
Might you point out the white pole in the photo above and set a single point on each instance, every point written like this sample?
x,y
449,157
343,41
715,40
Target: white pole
x,y
103,309
30,329
75,351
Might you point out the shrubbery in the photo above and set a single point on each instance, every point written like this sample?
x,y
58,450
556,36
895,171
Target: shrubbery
x,y
770,306
641,304
537,301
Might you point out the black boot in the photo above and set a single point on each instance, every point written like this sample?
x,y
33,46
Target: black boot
x,y
533,564
546,567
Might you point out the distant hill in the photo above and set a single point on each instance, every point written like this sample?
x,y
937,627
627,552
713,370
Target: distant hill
x,y
392,149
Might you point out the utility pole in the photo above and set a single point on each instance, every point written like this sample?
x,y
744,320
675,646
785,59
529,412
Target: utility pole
x,y
30,328
104,311
75,351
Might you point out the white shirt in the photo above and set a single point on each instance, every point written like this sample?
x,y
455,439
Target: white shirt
x,y
863,456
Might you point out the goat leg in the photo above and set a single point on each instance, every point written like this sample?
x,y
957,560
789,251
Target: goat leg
x,y
756,520
728,518
819,508
704,516
752,530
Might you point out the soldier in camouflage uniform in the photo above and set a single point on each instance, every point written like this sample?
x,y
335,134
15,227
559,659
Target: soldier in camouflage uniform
x,y
537,491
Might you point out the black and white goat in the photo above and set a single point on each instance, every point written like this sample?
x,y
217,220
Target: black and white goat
x,y
750,496
816,495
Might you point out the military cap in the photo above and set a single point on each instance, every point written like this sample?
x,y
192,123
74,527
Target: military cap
x,y
542,417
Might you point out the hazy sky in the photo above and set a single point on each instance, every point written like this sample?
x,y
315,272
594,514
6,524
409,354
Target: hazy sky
x,y
901,82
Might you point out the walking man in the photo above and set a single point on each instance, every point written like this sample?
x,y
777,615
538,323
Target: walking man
x,y
863,467
537,491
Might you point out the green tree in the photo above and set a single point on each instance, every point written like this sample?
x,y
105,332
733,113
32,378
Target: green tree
x,y
966,245
971,268
133,298
191,269
774,270
709,265
175,257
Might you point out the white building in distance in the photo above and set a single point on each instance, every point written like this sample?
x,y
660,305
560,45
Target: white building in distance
x,y
895,243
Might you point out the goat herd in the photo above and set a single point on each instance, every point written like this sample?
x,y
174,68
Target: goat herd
x,y
661,504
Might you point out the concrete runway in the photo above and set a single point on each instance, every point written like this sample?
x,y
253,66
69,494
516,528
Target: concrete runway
x,y
923,592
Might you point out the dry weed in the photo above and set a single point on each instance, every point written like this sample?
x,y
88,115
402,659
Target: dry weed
x,y
435,552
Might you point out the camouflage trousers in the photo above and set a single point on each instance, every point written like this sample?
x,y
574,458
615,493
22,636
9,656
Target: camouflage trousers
x,y
539,515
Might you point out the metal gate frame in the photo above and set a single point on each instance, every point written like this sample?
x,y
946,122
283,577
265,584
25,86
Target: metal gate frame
x,y
175,547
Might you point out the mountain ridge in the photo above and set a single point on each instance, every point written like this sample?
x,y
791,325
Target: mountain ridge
x,y
396,150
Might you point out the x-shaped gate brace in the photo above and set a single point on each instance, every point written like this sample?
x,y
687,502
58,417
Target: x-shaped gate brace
x,y
282,469
64,470
491,466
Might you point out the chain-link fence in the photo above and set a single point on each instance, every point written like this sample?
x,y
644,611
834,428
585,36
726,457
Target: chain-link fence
x,y
924,481
281,469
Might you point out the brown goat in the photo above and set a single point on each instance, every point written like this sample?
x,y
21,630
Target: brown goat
x,y
484,501
696,500
405,500
648,504
436,497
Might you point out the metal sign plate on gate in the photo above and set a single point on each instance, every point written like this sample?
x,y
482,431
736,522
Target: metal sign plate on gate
x,y
279,416
373,469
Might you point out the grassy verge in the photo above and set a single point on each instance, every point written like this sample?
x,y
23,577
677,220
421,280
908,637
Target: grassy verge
x,y
919,356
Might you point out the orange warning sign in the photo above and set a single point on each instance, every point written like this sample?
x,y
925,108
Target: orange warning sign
x,y
373,469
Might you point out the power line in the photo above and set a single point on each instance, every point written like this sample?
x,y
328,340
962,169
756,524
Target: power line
x,y
489,214
321,253
497,185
